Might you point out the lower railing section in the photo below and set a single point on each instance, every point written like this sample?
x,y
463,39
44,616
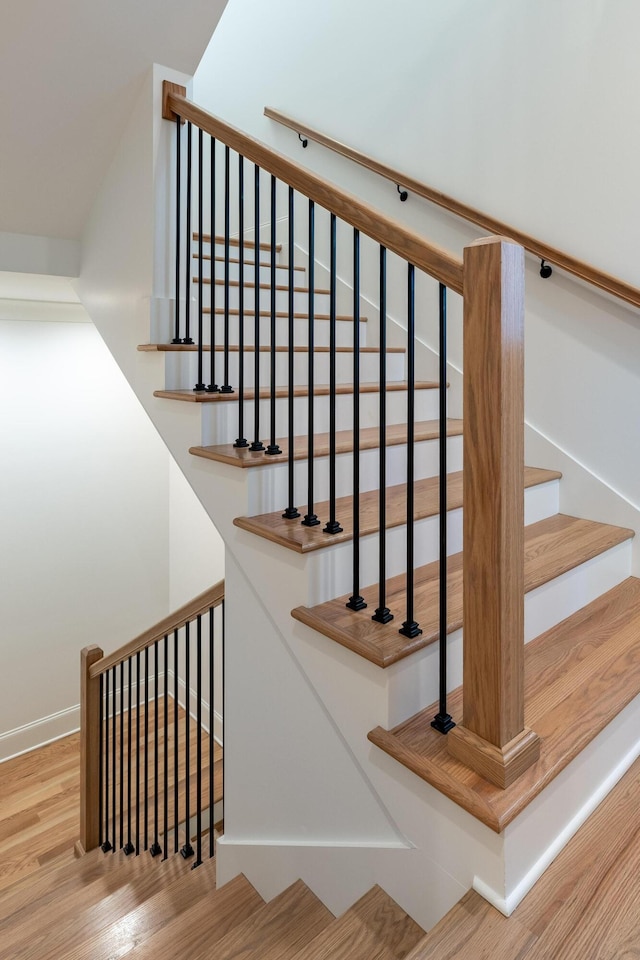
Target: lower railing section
x,y
151,741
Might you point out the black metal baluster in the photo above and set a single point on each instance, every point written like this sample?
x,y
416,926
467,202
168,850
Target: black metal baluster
x,y
137,753
165,755
356,601
310,519
291,513
176,338
121,790
114,760
257,444
211,731
226,387
176,737
383,614
155,848
410,628
241,441
129,847
213,386
187,306
443,721
332,525
223,704
198,859
102,833
146,749
106,845
187,849
200,383
273,449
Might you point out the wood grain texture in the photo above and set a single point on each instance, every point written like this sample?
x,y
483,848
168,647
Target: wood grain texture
x,y
552,547
90,734
375,926
578,677
272,526
369,440
251,285
499,765
212,597
167,88
319,390
407,243
579,268
235,241
249,348
248,263
493,522
281,314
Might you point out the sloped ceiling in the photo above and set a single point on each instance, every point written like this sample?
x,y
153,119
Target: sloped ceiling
x,y
68,69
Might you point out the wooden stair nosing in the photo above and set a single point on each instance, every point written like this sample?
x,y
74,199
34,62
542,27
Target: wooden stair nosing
x,y
301,539
250,284
281,314
248,263
579,675
375,926
264,348
396,434
319,390
235,242
552,547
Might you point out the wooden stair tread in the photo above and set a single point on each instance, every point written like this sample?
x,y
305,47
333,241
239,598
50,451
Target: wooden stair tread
x,y
294,536
263,286
282,314
578,676
375,926
135,916
193,933
369,440
234,348
235,242
247,263
320,390
552,547
280,929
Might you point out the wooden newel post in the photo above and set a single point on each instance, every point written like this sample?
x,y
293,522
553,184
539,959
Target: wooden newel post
x,y
89,749
492,738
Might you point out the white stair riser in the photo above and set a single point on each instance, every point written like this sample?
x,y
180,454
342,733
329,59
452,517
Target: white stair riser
x,y
264,271
181,372
300,299
414,682
220,419
267,496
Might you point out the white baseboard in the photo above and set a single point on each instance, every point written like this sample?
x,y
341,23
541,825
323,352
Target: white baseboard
x,y
39,733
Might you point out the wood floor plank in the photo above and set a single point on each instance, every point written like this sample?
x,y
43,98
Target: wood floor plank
x,y
319,390
374,926
277,529
552,547
425,430
600,648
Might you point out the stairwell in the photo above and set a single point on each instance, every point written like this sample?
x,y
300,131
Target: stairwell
x,y
332,775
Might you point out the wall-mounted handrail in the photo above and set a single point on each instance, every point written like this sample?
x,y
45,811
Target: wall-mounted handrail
x,y
585,271
212,597
434,260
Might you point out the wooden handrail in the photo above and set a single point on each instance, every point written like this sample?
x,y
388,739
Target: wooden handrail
x,y
434,260
212,597
585,271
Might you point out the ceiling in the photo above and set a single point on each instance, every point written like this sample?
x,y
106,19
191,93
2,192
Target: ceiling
x,y
68,69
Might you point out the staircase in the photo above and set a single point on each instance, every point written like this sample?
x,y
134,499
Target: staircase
x,y
360,791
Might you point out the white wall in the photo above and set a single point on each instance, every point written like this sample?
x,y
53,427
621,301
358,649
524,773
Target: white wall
x,y
95,521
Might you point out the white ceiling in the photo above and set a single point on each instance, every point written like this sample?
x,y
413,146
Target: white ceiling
x,y
68,69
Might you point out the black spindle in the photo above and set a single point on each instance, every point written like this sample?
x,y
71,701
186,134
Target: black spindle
x,y
211,738
165,754
102,832
213,386
176,739
310,519
106,844
383,614
155,848
226,387
291,513
257,445
443,721
137,752
187,306
200,383
356,601
198,859
146,749
332,525
121,757
187,849
176,338
129,847
241,441
273,449
410,628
